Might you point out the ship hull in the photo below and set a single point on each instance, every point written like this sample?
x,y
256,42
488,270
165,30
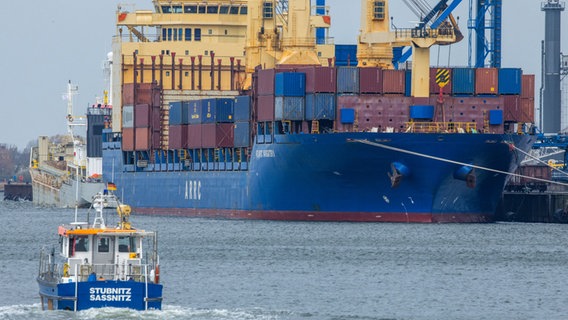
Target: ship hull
x,y
62,195
335,177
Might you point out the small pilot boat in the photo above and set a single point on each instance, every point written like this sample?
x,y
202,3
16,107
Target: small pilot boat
x,y
101,266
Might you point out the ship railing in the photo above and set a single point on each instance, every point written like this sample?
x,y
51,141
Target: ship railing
x,y
441,127
425,33
131,271
299,42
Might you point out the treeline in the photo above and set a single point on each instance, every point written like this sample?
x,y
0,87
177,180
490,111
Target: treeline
x,y
14,164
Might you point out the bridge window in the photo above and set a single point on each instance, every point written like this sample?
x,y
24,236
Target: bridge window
x,y
201,9
126,244
244,10
187,34
267,10
224,9
234,10
166,9
197,35
379,10
212,9
190,9
103,245
177,9
82,244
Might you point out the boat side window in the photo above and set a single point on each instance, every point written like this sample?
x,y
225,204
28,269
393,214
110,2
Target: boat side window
x,y
190,9
126,244
244,10
166,9
224,9
201,9
197,36
212,9
82,244
177,9
187,34
103,245
234,10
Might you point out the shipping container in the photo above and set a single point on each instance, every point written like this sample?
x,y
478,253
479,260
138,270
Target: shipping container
x,y
320,79
178,137
495,117
512,108
407,83
156,119
194,136
290,84
345,55
441,78
217,135
486,81
347,80
242,134
320,106
510,81
145,93
142,116
142,139
242,108
265,81
192,112
216,110
265,108
528,88
422,112
176,113
128,117
527,107
393,81
128,139
370,80
289,108
463,81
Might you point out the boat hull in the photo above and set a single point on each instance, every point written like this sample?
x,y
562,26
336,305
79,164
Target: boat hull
x,y
335,177
99,294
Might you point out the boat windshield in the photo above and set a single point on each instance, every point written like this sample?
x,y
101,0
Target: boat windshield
x,y
126,244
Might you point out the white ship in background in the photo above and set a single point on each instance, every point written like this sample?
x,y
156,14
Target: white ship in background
x,y
68,173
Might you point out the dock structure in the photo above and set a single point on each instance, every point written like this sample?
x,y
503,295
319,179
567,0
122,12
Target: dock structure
x,y
546,207
18,191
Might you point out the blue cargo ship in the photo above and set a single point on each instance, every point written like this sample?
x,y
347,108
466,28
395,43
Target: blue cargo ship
x,y
271,127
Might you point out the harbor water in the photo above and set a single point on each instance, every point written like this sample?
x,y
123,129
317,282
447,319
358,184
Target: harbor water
x,y
232,269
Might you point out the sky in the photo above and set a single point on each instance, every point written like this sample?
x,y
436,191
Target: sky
x,y
47,43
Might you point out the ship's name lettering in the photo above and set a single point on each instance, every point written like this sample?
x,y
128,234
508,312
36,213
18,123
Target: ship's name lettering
x,y
265,154
110,294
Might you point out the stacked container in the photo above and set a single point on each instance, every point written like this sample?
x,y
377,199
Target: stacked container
x,y
463,81
320,92
265,95
141,122
347,80
242,107
486,81
290,90
438,76
394,81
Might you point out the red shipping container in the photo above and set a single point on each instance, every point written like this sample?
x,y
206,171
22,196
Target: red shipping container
x,y
178,137
319,79
265,80
265,108
370,80
527,108
127,139
146,93
156,141
445,74
393,81
217,135
486,80
194,136
511,108
142,116
527,86
142,139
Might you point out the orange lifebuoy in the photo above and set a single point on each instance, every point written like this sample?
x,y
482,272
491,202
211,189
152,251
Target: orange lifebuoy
x,y
157,275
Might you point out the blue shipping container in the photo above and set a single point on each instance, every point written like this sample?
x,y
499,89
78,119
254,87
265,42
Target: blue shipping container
x,y
347,116
320,106
510,80
215,110
421,112
345,55
194,112
495,117
176,113
463,81
289,108
347,80
242,134
242,108
408,83
290,84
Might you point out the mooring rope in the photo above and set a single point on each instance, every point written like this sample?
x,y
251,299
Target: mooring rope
x,y
380,145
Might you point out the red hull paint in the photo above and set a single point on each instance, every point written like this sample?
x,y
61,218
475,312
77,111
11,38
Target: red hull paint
x,y
319,216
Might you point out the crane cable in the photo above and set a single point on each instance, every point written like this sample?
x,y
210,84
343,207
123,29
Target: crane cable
x,y
380,145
